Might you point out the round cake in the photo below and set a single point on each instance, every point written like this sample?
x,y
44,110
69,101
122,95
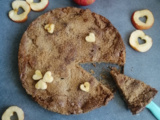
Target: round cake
x,y
62,51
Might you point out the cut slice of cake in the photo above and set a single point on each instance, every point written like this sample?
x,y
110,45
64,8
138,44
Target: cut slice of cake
x,y
135,92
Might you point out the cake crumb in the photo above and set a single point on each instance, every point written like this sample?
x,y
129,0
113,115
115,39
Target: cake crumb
x,y
92,72
103,76
103,81
94,64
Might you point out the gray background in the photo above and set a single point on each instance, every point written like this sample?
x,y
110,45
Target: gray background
x,y
143,66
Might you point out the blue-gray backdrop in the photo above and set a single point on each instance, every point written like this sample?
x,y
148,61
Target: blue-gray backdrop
x,y
143,66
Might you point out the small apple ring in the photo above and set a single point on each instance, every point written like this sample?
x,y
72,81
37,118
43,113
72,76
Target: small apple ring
x,y
13,14
138,23
38,6
9,112
133,41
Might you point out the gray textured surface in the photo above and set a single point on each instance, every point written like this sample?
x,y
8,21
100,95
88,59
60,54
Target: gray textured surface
x,y
143,66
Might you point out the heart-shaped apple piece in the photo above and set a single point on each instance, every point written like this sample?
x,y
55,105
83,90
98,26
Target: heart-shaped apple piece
x,y
85,87
48,77
41,85
49,27
91,37
38,6
138,23
37,75
133,41
9,113
13,14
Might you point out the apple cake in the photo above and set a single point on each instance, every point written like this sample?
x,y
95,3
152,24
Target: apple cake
x,y
135,92
62,51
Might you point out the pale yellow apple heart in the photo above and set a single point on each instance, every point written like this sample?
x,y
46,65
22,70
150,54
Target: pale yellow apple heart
x,y
37,75
48,77
49,28
91,37
85,87
41,85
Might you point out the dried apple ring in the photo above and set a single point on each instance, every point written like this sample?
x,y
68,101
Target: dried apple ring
x,y
138,23
9,112
13,14
38,6
133,41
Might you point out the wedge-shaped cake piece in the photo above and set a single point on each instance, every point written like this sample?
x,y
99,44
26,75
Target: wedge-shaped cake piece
x,y
135,92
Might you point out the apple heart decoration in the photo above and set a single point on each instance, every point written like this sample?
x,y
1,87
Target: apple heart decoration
x,y
84,2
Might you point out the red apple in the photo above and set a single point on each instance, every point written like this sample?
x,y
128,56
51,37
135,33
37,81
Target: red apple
x,y
84,2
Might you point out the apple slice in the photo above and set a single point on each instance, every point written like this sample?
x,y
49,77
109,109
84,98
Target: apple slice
x,y
10,111
137,23
133,41
13,14
38,6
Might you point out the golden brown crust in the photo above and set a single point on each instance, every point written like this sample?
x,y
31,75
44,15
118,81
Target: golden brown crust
x,y
61,53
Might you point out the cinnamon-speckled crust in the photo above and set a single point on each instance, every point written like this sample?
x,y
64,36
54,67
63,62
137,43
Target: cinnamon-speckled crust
x,y
135,92
61,53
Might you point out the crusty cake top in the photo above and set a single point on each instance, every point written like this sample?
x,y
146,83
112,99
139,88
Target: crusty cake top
x,y
62,51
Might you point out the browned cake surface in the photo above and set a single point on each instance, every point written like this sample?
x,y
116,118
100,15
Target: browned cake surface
x,y
136,93
61,53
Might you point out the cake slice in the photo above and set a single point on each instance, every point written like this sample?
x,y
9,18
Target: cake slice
x,y
135,92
